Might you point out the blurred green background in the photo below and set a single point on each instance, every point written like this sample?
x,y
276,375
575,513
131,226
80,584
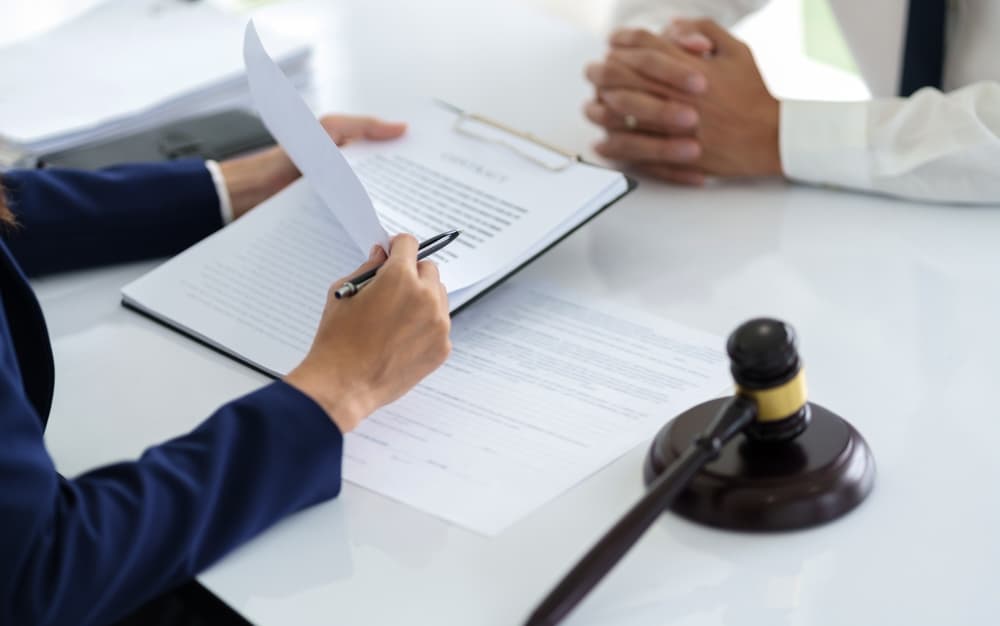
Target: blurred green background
x,y
823,40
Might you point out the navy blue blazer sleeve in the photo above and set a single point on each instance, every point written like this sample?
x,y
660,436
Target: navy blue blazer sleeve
x,y
89,550
71,219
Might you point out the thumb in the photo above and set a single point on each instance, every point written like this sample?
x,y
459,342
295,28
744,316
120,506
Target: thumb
x,y
376,257
347,128
380,129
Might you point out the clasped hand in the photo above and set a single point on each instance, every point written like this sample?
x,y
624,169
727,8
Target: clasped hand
x,y
685,104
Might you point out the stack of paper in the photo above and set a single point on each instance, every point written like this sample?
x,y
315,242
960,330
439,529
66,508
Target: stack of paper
x,y
126,66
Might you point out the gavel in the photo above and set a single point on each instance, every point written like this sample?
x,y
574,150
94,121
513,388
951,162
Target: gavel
x,y
764,459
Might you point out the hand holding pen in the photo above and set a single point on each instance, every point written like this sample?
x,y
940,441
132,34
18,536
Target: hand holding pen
x,y
424,250
371,349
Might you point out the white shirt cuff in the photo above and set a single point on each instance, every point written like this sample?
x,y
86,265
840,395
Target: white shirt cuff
x,y
225,204
826,143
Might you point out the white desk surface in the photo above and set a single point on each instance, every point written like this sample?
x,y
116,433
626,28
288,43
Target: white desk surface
x,y
896,304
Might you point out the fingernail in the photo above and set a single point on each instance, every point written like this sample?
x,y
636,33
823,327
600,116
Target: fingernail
x,y
610,97
696,83
695,40
601,146
374,253
688,151
594,111
686,118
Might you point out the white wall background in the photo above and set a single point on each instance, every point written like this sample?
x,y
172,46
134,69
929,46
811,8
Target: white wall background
x,y
785,66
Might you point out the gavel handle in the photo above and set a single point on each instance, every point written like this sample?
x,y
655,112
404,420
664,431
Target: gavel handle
x,y
606,553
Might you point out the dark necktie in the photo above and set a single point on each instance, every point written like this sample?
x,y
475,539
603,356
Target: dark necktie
x,y
923,56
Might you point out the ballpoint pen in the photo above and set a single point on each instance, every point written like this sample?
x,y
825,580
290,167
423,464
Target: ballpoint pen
x,y
424,250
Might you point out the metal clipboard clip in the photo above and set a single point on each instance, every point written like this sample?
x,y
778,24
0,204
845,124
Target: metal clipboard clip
x,y
524,144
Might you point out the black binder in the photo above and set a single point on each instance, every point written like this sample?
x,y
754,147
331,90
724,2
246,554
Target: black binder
x,y
215,136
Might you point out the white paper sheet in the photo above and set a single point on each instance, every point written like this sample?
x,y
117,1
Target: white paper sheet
x,y
125,66
434,179
256,288
296,128
543,389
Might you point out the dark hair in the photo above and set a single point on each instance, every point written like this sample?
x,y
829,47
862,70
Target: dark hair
x,y
6,217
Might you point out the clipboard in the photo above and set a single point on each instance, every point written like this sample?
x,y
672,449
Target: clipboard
x,y
556,161
472,125
465,123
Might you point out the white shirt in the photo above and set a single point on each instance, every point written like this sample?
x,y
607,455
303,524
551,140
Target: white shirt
x,y
221,190
933,146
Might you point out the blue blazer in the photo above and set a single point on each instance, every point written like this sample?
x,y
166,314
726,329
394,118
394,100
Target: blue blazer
x,y
89,549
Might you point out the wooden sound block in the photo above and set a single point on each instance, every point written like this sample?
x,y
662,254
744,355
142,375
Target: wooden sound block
x,y
822,474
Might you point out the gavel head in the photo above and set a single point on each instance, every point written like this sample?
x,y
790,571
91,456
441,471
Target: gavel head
x,y
768,371
796,464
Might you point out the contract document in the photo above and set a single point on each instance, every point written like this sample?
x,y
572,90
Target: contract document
x,y
543,388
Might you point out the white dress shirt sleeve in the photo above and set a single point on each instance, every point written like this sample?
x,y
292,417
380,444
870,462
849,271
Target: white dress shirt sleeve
x,y
225,203
656,14
932,146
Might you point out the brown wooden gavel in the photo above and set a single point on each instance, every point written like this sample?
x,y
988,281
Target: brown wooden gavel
x,y
769,413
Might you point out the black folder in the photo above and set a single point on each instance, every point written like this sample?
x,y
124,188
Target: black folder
x,y
215,136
